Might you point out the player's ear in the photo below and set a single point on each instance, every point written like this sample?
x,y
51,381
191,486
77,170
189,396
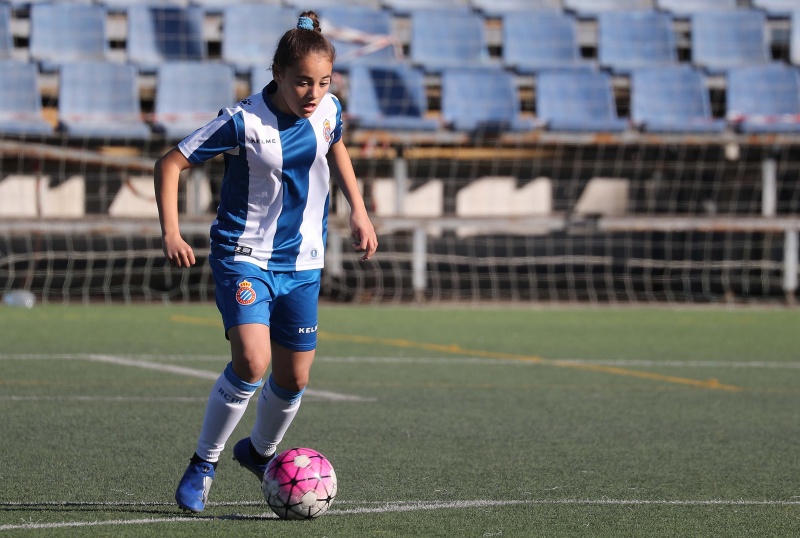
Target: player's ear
x,y
276,74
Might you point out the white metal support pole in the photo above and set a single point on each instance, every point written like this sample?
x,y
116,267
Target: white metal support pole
x,y
790,256
419,262
334,254
401,181
194,191
769,187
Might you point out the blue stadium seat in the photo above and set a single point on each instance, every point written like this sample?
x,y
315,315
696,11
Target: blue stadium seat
x,y
123,5
461,42
481,99
6,38
541,39
250,33
100,100
684,8
25,4
498,8
777,8
592,8
672,99
577,101
388,97
729,38
259,77
318,5
20,100
794,38
63,33
407,7
218,6
764,98
161,34
190,94
339,24
629,40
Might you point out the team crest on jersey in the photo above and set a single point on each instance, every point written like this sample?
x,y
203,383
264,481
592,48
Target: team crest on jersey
x,y
245,295
327,131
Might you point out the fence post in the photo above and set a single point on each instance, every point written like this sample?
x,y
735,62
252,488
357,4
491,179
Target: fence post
x,y
769,187
419,262
334,254
401,181
790,255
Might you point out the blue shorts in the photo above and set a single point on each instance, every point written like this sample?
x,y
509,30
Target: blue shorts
x,y
286,302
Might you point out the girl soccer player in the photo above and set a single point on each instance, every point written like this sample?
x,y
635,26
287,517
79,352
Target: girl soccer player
x,y
267,244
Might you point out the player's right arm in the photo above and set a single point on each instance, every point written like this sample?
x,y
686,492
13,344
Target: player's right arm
x,y
167,177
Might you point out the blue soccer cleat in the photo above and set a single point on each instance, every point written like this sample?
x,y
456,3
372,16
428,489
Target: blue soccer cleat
x,y
192,492
242,455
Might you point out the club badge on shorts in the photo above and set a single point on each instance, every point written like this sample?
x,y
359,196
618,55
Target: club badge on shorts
x,y
245,295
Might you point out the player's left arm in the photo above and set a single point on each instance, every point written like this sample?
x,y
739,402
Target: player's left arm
x,y
365,239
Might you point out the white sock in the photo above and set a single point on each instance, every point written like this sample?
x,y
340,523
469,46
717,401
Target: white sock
x,y
276,410
226,406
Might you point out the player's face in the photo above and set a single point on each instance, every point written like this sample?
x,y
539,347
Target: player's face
x,y
301,87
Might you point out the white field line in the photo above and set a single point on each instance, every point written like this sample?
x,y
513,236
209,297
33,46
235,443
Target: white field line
x,y
146,359
180,370
108,399
370,508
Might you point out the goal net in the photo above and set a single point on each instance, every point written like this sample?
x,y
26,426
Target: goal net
x,y
527,197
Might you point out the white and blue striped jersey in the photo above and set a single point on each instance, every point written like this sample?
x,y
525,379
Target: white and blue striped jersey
x,y
273,208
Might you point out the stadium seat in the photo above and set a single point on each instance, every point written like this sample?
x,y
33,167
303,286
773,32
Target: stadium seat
x,y
100,100
729,38
20,100
64,32
541,39
250,33
63,198
388,97
407,7
684,8
25,4
764,98
499,196
259,77
481,99
218,6
672,99
123,5
136,198
18,196
426,200
302,5
577,101
360,35
629,40
459,43
6,38
604,197
190,94
160,34
498,8
591,8
777,8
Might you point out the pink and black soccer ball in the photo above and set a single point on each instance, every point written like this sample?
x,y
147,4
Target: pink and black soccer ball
x,y
299,483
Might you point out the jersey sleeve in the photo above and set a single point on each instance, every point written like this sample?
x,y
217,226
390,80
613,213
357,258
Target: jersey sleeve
x,y
338,130
224,133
